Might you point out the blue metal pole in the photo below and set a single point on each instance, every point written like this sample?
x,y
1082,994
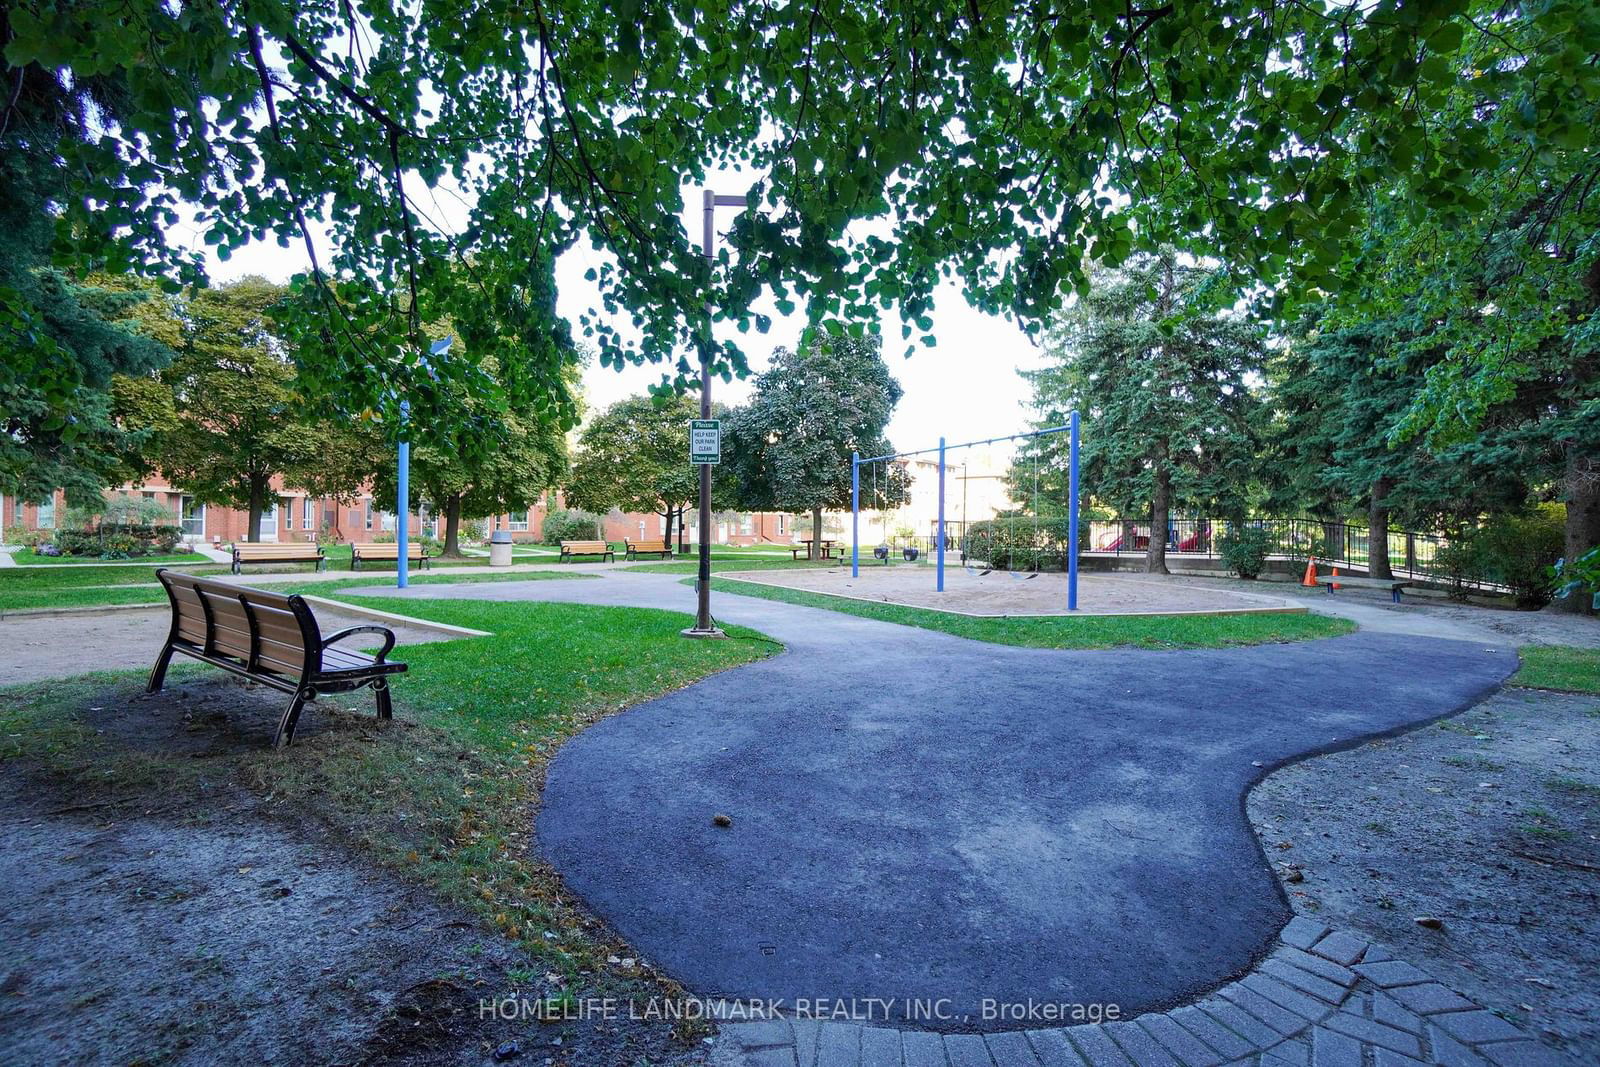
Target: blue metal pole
x,y
402,519
855,514
1072,517
939,548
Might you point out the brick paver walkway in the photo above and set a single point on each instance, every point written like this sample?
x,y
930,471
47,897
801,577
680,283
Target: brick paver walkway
x,y
1321,999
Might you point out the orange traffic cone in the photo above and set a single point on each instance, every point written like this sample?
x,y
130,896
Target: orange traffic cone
x,y
1311,573
1336,585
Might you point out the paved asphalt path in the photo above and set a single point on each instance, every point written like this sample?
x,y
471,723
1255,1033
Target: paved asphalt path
x,y
921,816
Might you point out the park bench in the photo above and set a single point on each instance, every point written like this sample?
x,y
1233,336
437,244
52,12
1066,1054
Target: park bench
x,y
649,548
256,552
270,639
1394,585
388,551
570,549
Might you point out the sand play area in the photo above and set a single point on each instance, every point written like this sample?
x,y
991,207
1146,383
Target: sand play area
x,y
1000,594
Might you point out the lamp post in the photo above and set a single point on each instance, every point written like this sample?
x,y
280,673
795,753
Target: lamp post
x,y
703,624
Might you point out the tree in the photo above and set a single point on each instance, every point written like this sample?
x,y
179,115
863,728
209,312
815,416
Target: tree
x,y
635,456
226,416
1159,377
1009,144
521,457
790,447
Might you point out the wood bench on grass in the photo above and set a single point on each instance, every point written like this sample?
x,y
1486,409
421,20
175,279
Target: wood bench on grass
x,y
257,552
271,639
1394,585
388,551
587,548
649,548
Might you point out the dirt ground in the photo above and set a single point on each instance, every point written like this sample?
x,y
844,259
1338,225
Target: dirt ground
x,y
147,925
999,593
36,647
1489,822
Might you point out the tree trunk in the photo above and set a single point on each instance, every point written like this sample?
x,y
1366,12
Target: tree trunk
x,y
452,528
258,502
1155,559
666,536
1378,529
816,534
1583,524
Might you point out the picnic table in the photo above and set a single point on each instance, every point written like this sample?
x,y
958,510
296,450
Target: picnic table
x,y
805,543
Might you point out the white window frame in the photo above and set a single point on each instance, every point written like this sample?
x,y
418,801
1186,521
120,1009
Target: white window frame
x,y
45,513
366,515
197,511
308,513
386,521
780,524
516,525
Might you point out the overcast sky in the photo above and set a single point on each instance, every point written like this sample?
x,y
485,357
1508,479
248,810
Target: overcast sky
x,y
965,388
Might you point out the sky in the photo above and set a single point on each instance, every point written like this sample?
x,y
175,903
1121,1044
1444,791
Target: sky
x,y
965,388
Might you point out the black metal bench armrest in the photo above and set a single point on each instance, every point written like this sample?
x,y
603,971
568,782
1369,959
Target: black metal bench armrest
x,y
388,637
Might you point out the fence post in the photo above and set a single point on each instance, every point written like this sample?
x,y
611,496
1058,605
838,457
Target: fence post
x,y
1411,551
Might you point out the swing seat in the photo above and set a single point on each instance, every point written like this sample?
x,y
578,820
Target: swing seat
x,y
881,552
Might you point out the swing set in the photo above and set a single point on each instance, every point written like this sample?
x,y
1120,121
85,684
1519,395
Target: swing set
x,y
882,550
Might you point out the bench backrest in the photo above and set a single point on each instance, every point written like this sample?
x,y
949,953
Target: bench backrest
x,y
387,549
585,547
647,546
263,630
256,550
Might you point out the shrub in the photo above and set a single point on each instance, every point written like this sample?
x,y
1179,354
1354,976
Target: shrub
x,y
1456,562
1519,551
1019,542
118,542
1244,549
20,535
1579,577
570,526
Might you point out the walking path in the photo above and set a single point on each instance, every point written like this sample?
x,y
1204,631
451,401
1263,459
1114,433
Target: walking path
x,y
921,819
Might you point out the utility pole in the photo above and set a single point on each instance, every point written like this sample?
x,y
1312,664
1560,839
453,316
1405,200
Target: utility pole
x,y
703,624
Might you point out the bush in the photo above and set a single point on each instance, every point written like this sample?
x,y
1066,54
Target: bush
x,y
20,535
570,526
1456,562
1020,542
1244,549
1519,552
118,542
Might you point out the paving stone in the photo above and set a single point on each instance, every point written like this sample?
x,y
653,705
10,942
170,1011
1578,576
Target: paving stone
x,y
1376,1034
1302,932
1096,1046
1318,966
806,1032
1179,1042
1391,1012
1474,1027
967,1050
1292,1000
1358,1005
839,1045
1283,1021
1321,988
1296,1053
1053,1048
1011,1048
1214,1034
1331,1049
769,1057
922,1049
1376,953
1450,1052
1430,999
1341,947
1141,1048
1522,1054
1389,973
1382,1057
764,1034
1236,1021
880,1047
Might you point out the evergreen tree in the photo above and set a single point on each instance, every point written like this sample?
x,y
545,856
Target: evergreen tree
x,y
1159,378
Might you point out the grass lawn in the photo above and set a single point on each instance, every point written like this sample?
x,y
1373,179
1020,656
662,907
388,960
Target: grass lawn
x,y
1559,667
27,557
90,586
1148,631
447,794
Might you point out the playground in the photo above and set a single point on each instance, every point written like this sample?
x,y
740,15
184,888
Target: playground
x,y
996,593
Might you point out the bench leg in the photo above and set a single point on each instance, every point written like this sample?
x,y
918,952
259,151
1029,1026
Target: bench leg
x,y
291,716
158,673
380,691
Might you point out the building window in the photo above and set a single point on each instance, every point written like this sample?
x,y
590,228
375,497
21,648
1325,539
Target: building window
x,y
47,514
661,524
308,514
386,519
192,517
366,514
780,524
746,524
148,495
519,521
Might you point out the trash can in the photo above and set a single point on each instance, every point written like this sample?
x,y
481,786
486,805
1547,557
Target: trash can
x,y
500,548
